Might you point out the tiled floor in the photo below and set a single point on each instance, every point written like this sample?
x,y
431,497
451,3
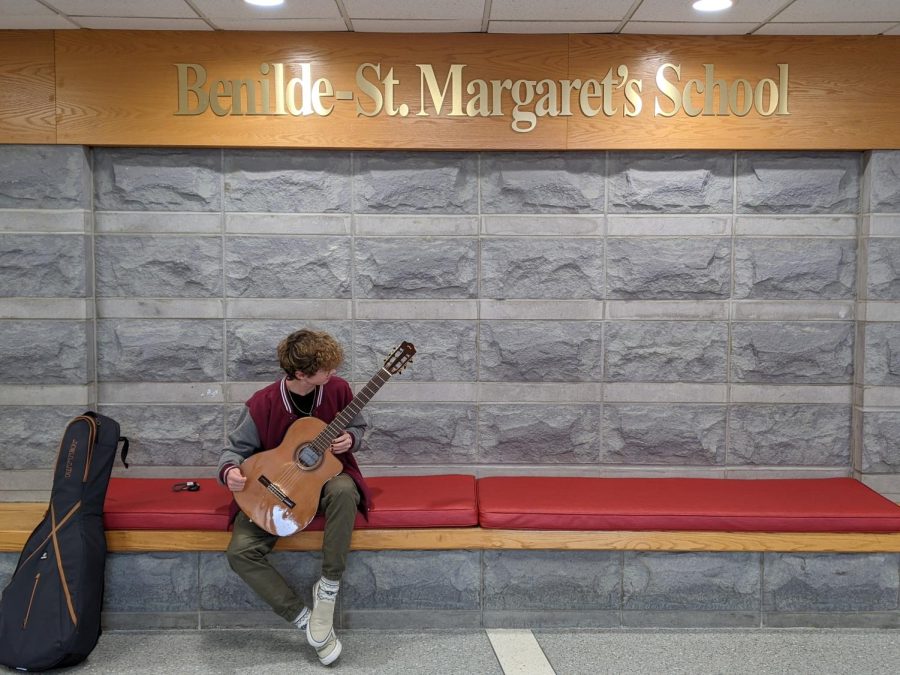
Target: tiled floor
x,y
504,652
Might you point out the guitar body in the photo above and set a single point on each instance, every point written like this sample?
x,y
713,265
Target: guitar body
x,y
281,495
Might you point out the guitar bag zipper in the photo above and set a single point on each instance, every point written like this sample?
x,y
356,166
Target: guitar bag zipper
x,y
37,578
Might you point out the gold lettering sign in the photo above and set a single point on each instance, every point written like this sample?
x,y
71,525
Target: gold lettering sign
x,y
297,90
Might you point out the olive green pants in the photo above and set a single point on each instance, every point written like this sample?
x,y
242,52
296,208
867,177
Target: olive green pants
x,y
248,552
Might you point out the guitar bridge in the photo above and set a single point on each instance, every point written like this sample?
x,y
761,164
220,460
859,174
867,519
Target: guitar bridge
x,y
278,492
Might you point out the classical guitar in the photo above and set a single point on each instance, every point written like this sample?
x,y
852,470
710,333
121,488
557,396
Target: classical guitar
x,y
284,484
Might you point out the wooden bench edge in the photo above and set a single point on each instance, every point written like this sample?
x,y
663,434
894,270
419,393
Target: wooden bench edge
x,y
476,538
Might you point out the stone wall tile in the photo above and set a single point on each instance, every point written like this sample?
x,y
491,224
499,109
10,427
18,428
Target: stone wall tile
x,y
552,580
162,350
157,179
670,182
543,434
420,182
661,269
540,351
44,177
793,182
44,266
151,582
794,268
30,435
881,451
525,267
882,350
831,582
165,435
223,589
44,352
8,562
662,225
790,435
884,172
446,349
665,351
412,580
287,267
883,282
524,182
543,225
251,346
420,433
716,620
424,225
778,225
159,266
287,181
691,581
792,352
34,221
157,222
420,267
682,435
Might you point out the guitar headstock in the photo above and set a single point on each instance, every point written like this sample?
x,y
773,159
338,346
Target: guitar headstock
x,y
400,358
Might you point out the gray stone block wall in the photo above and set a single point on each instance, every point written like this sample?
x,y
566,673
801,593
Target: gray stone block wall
x,y
876,408
47,285
534,589
702,313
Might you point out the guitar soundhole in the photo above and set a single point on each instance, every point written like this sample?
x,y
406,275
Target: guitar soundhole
x,y
308,457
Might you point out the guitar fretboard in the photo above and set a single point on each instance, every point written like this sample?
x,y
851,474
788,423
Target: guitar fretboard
x,y
322,442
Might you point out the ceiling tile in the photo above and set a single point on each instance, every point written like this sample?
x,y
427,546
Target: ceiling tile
x,y
685,28
302,25
291,9
130,8
840,28
559,10
10,8
537,27
804,11
150,23
681,10
52,22
415,9
417,26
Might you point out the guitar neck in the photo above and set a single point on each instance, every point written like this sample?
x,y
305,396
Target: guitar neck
x,y
336,427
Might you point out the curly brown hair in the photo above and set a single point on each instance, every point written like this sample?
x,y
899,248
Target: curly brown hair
x,y
309,351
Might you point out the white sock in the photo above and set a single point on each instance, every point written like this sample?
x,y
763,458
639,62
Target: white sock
x,y
328,589
302,619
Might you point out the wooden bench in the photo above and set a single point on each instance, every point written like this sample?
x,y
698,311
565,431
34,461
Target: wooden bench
x,y
396,498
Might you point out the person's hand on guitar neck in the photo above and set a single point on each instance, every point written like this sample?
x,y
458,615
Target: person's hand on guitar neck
x,y
341,444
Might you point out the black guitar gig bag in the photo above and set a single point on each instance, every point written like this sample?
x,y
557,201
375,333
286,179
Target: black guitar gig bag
x,y
50,611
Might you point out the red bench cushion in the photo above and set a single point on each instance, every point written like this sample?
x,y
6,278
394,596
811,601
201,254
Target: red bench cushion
x,y
418,501
151,504
785,505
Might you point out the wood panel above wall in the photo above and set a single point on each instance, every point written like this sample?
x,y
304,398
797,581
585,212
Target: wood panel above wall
x,y
459,91
27,87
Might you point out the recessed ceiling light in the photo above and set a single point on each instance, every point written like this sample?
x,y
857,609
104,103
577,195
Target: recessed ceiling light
x,y
265,3
712,5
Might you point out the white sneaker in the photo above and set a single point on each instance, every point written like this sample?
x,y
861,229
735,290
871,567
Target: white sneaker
x,y
330,651
320,629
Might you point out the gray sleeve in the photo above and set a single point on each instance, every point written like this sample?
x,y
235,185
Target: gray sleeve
x,y
357,429
243,441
